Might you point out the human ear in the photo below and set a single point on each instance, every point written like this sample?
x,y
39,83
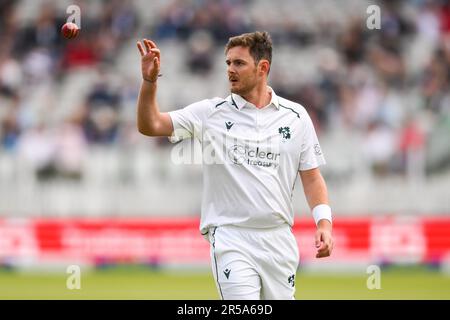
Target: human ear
x,y
263,66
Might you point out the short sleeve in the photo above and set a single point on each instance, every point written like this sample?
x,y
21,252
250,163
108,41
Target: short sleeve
x,y
188,122
311,155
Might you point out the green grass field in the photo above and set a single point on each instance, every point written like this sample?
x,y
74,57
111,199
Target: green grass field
x,y
135,283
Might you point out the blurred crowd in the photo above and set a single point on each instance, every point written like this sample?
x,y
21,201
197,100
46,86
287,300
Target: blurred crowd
x,y
369,81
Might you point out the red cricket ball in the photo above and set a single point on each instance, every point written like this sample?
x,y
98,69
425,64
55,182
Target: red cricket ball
x,y
70,30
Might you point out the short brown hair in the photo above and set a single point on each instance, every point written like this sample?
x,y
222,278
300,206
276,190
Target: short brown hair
x,y
259,44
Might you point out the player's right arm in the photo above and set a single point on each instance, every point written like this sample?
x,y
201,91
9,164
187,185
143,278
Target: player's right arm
x,y
150,121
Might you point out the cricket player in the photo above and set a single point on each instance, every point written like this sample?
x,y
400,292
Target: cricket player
x,y
254,143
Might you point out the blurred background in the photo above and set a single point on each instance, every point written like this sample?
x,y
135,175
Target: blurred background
x,y
79,185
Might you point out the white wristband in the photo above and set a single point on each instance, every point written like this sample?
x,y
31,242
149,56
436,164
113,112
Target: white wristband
x,y
322,211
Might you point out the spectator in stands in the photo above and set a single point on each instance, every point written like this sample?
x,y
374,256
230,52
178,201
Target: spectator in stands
x,y
9,124
411,147
71,147
199,57
101,123
37,146
379,148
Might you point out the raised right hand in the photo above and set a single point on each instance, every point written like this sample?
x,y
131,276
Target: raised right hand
x,y
150,60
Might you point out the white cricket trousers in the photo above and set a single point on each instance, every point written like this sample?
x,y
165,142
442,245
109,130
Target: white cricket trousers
x,y
254,264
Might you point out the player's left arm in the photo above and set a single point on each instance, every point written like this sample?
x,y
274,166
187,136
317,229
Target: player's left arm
x,y
316,194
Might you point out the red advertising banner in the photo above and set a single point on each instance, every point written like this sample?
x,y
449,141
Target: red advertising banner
x,y
177,241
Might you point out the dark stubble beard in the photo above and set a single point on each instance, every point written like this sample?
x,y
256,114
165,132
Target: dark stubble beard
x,y
243,91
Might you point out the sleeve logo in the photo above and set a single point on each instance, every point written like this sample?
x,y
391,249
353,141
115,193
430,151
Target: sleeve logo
x,y
317,150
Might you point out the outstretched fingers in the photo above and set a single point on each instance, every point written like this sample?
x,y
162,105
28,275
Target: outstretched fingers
x,y
141,48
147,45
151,43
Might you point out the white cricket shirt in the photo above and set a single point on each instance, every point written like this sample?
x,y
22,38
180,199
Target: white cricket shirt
x,y
251,158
